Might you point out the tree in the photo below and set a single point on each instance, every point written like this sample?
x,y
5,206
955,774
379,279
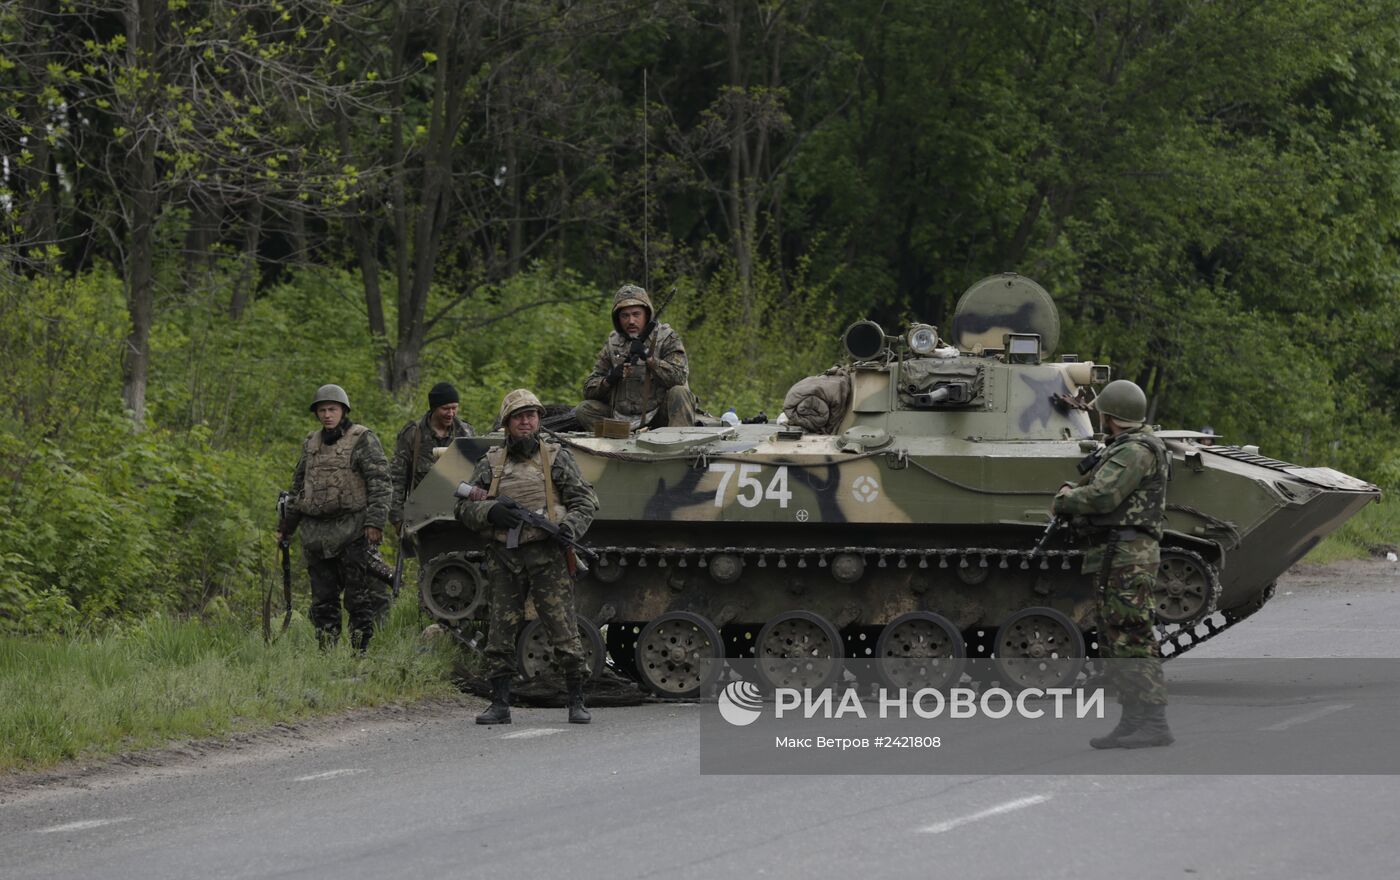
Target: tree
x,y
159,105
490,130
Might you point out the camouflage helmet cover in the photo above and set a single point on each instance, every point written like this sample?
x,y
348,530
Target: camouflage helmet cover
x,y
1123,401
520,398
332,394
630,295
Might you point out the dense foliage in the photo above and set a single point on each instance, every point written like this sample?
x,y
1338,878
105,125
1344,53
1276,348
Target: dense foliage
x,y
209,207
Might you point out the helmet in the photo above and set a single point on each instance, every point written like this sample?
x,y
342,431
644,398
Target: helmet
x,y
332,393
630,295
1124,401
515,401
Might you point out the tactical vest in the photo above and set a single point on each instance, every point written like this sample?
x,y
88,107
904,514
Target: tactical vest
x,y
529,483
1147,504
331,486
632,397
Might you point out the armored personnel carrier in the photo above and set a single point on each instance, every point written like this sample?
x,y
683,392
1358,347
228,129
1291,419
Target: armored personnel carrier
x,y
902,523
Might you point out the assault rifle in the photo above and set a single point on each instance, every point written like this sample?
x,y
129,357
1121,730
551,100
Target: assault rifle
x,y
377,567
404,543
1056,524
527,517
284,546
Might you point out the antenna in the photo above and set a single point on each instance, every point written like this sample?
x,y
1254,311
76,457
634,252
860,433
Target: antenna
x,y
646,192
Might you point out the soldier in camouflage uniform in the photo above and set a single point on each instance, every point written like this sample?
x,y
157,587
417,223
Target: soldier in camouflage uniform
x,y
413,451
340,497
1124,499
642,380
541,476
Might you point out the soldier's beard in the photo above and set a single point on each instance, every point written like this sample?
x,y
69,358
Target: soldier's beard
x,y
521,448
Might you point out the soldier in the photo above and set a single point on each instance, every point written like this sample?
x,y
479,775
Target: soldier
x,y
639,377
1124,499
413,451
340,497
542,476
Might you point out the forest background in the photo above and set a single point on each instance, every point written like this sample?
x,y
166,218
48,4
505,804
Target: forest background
x,y
207,209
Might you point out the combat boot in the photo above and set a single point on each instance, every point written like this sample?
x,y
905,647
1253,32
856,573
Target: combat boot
x,y
577,714
1152,729
359,639
1128,722
499,710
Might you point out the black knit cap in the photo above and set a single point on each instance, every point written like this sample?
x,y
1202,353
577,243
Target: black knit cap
x,y
442,393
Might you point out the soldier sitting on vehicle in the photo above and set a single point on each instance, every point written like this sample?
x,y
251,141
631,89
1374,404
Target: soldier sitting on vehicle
x,y
641,372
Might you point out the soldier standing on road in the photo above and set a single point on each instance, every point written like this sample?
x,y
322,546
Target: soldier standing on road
x,y
340,497
413,451
1124,499
540,476
640,378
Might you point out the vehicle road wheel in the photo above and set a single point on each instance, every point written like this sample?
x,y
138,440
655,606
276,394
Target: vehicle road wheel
x,y
680,654
919,650
1039,647
1187,588
535,656
453,588
798,649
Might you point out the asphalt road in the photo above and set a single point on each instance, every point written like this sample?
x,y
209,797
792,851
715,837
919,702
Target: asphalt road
x,y
624,798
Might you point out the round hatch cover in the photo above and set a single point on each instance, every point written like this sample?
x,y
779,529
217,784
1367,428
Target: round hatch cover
x,y
1001,304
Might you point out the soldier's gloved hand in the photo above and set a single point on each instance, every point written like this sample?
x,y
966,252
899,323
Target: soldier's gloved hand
x,y
638,350
374,536
502,517
567,531
615,375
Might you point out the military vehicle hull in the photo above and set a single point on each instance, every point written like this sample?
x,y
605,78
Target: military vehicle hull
x,y
739,528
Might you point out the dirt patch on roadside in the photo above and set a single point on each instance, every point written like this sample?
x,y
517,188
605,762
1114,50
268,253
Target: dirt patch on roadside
x,y
1342,575
192,756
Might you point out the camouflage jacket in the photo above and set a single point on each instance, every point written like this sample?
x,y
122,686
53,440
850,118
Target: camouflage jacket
x,y
408,471
323,537
645,391
1127,488
575,493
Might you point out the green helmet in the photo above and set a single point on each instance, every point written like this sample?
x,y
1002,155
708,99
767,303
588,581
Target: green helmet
x,y
1123,401
515,401
629,295
332,393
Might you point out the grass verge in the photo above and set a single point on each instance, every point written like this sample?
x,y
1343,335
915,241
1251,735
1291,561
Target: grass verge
x,y
1376,525
165,679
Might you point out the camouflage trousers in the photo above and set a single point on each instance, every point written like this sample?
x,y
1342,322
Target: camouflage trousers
x,y
1127,637
540,571
679,411
366,599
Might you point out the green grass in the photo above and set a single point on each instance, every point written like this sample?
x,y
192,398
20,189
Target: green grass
x,y
1376,524
164,680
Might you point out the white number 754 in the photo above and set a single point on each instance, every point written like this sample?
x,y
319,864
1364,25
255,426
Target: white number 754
x,y
751,491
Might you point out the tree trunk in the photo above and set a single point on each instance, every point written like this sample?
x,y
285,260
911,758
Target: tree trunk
x,y
247,280
738,234
142,205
